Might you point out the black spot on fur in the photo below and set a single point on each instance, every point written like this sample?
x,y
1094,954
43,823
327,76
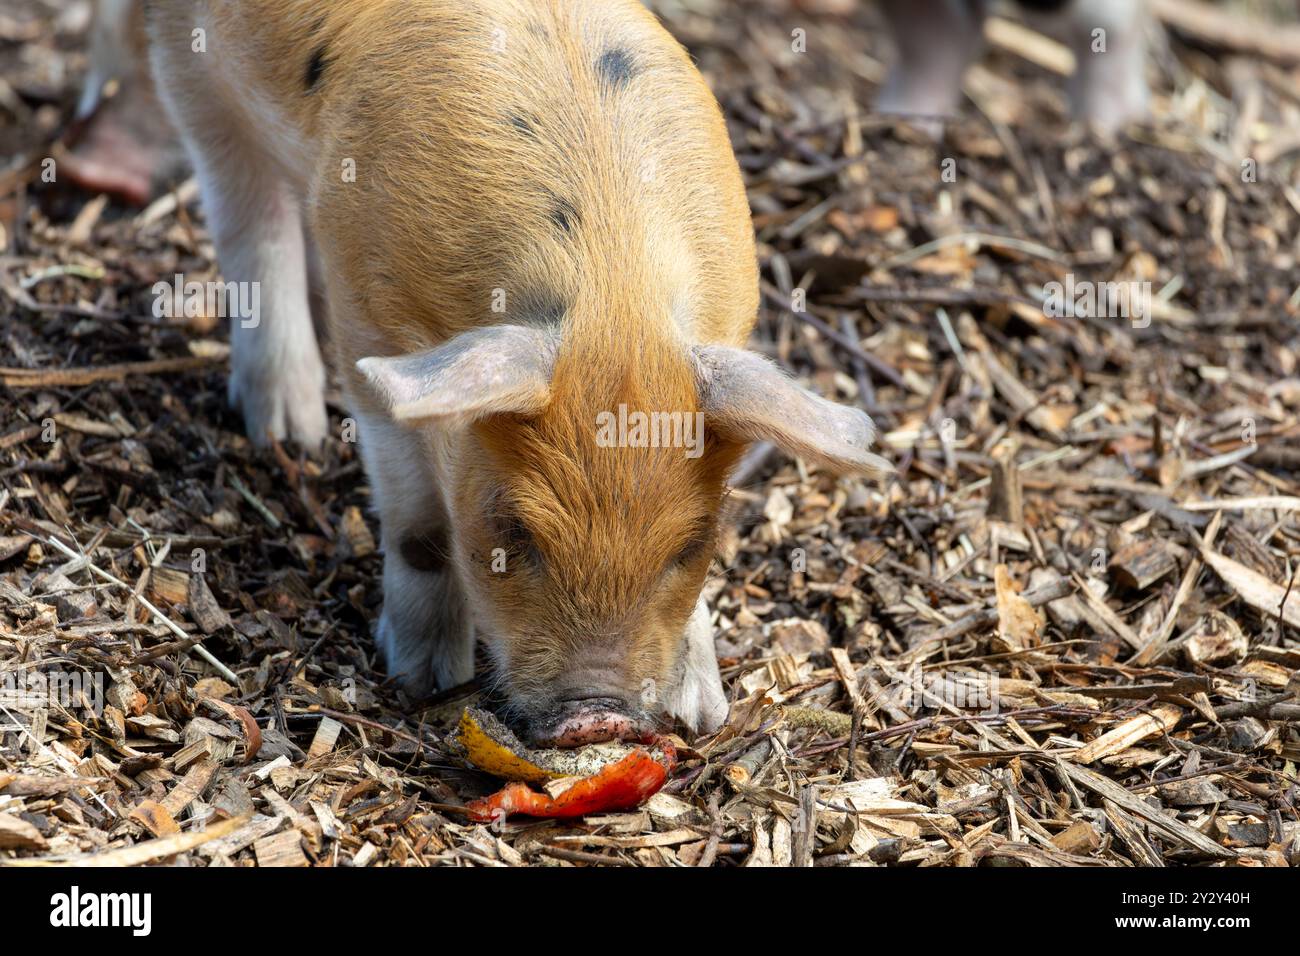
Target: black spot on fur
x,y
315,68
426,552
616,67
564,215
523,124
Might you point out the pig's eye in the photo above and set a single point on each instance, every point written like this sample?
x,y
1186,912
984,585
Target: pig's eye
x,y
699,543
517,539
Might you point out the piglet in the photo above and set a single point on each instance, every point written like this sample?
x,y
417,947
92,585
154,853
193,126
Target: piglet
x,y
541,275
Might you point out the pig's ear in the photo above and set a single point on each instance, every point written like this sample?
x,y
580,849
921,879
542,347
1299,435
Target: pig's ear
x,y
746,398
491,371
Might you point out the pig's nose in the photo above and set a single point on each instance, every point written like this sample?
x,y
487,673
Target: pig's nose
x,y
577,703
588,720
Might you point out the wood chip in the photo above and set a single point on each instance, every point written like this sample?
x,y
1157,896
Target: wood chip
x,y
281,850
1162,719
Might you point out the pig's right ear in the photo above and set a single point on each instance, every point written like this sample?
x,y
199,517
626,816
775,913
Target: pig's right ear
x,y
497,370
747,398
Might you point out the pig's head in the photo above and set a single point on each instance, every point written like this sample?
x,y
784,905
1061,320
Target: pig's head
x,y
582,525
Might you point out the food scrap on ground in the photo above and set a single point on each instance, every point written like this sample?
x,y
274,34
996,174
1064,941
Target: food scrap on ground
x,y
592,779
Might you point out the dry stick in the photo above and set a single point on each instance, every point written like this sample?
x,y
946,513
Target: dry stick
x,y
1159,819
376,725
939,295
19,435
171,647
834,335
1266,710
163,619
1169,781
255,502
580,856
145,576
59,759
1109,617
47,378
146,852
805,827
715,834
1181,687
1052,591
1286,596
1034,249
1052,711
1230,30
1154,647
165,205
1047,458
866,391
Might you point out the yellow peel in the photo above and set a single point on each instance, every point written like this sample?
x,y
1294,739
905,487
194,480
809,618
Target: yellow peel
x,y
486,754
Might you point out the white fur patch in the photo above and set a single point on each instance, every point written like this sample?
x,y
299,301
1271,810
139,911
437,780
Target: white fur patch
x,y
697,697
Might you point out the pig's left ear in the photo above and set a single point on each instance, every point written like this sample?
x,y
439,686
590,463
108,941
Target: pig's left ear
x,y
747,398
497,370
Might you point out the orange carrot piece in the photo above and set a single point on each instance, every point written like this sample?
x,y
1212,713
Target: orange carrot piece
x,y
620,786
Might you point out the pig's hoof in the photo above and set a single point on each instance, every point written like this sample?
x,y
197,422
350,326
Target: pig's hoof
x,y
421,665
288,403
924,106
699,701
1110,116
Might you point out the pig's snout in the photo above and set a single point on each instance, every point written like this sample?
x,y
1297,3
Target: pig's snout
x,y
590,720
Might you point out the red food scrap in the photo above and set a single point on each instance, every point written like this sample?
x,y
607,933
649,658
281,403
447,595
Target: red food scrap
x,y
619,786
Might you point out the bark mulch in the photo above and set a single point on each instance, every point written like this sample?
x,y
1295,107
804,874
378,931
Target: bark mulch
x,y
1068,634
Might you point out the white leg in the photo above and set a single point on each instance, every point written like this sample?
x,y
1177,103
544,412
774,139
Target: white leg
x,y
1109,88
936,41
697,697
425,631
277,377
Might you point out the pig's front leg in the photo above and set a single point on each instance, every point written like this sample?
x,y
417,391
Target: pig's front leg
x,y
936,41
1109,86
277,377
425,632
696,697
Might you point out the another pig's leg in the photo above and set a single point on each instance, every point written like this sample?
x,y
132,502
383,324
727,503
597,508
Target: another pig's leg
x,y
1109,88
128,149
697,698
424,632
936,41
